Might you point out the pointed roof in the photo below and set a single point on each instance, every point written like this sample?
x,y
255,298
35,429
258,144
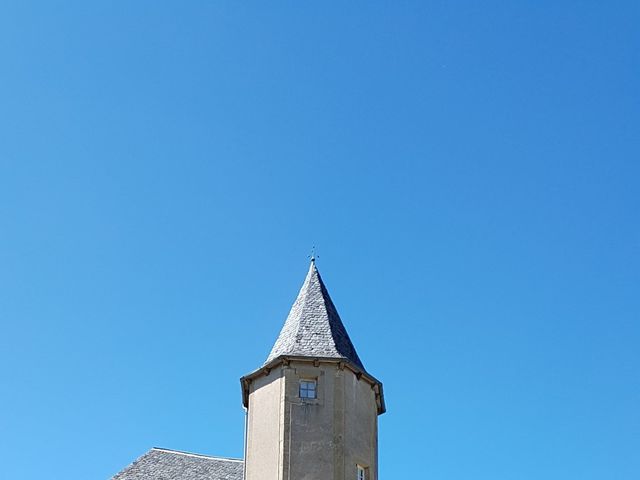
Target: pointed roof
x,y
313,327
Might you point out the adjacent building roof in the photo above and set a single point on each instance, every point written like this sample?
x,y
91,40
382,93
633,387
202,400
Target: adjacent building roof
x,y
313,327
161,464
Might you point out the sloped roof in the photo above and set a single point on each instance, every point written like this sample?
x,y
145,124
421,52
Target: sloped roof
x,y
161,464
313,327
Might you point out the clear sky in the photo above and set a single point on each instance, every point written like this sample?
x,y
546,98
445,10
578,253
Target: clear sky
x,y
469,172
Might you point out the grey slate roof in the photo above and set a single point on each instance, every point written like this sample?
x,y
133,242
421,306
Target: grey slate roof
x,y
161,464
313,327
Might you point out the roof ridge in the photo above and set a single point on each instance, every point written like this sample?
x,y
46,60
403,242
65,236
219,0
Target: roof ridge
x,y
338,328
303,303
329,308
190,454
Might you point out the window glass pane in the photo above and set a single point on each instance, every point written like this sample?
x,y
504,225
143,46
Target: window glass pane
x,y
307,389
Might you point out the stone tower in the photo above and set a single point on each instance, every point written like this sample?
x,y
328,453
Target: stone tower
x,y
312,409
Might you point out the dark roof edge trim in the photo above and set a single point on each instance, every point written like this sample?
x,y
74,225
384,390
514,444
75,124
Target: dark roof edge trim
x,y
376,384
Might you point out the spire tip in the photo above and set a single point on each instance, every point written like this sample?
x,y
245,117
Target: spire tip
x,y
313,255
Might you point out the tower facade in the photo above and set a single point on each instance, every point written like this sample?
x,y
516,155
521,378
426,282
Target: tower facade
x,y
312,408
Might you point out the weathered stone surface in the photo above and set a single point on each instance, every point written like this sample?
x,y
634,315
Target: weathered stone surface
x,y
324,438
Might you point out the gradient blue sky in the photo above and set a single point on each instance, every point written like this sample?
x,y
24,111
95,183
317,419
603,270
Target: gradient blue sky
x,y
469,172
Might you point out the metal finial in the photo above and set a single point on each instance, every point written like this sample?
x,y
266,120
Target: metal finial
x,y
313,255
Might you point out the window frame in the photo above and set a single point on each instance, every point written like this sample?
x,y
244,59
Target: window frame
x,y
303,387
361,472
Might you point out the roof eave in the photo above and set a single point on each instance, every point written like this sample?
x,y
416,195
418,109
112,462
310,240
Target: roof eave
x,y
376,384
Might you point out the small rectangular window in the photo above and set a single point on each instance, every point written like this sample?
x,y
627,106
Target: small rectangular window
x,y
308,389
362,473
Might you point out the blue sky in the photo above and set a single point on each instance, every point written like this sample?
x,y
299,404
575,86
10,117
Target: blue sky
x,y
467,170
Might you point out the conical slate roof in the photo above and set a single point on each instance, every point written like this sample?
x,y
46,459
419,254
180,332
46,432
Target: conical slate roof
x,y
313,327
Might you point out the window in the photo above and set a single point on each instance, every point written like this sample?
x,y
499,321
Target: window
x,y
362,473
308,389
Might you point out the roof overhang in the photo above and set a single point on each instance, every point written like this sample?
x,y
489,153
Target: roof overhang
x,y
376,385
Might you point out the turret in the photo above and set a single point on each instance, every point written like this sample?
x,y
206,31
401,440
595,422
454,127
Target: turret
x,y
312,407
